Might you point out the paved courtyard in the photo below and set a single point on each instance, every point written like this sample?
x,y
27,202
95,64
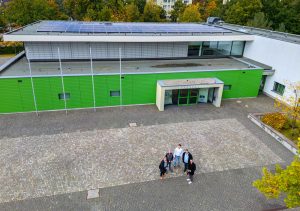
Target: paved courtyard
x,y
51,161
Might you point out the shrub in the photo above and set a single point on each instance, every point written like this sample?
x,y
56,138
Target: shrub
x,y
293,133
275,120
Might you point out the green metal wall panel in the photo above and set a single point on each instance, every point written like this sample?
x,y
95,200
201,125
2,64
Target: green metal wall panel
x,y
16,93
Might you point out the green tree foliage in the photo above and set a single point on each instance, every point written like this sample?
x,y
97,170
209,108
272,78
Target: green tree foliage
x,y
241,11
260,21
2,18
281,28
105,14
191,14
282,15
140,4
76,9
283,181
290,15
153,12
132,13
178,9
23,12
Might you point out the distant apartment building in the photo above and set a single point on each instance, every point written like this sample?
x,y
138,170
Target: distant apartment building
x,y
2,2
168,5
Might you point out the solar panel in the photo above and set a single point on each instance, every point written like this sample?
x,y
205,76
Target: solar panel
x,y
102,27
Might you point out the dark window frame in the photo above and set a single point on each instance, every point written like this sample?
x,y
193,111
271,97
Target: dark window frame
x,y
64,96
114,91
227,87
278,88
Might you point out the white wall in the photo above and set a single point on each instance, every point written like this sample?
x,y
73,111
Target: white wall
x,y
81,50
282,56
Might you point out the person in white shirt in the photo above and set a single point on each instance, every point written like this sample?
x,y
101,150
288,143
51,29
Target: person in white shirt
x,y
177,153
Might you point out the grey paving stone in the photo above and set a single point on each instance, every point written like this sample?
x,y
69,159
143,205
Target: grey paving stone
x,y
69,162
46,160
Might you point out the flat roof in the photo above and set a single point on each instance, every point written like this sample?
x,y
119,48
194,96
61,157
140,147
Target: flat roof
x,y
79,27
283,36
78,31
189,82
108,28
41,69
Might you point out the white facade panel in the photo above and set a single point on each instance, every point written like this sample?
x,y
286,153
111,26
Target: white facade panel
x,y
180,49
165,50
283,56
132,50
149,50
64,49
99,50
38,50
81,50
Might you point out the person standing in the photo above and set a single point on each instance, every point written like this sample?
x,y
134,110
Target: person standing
x,y
170,158
177,153
191,170
186,157
163,168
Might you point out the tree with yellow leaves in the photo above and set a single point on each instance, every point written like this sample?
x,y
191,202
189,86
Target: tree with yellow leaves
x,y
283,181
191,14
290,104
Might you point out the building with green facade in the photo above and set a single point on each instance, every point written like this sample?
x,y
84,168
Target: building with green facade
x,y
71,65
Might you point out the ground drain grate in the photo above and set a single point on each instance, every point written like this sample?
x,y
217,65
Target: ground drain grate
x,y
92,194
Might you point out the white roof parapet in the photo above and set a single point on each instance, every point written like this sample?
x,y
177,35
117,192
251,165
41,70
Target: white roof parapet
x,y
78,31
11,60
118,38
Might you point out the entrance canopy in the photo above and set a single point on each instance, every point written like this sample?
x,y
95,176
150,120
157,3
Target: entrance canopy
x,y
195,83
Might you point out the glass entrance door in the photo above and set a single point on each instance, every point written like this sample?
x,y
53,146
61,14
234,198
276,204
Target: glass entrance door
x,y
187,96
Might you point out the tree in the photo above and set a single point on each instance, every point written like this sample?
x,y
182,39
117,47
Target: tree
x,y
283,181
271,9
191,14
105,14
132,13
76,9
22,12
140,4
178,9
241,11
290,104
152,12
2,19
281,27
209,8
260,21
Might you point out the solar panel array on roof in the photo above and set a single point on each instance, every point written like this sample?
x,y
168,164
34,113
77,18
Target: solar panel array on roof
x,y
101,27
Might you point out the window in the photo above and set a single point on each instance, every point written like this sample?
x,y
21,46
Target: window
x,y
64,96
224,47
237,48
115,93
193,50
210,48
227,87
278,88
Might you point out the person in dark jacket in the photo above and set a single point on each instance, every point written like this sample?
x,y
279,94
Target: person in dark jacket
x,y
190,171
163,168
170,158
186,157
